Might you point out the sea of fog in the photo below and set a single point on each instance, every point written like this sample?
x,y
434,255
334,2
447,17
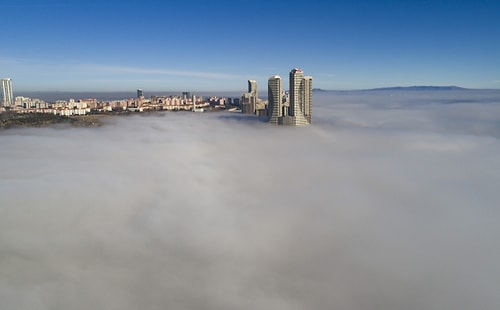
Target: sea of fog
x,y
390,200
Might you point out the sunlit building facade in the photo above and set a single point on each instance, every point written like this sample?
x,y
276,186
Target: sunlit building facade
x,y
249,100
274,95
7,94
252,87
307,98
299,110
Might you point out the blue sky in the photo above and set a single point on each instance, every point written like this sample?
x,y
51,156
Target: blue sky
x,y
217,45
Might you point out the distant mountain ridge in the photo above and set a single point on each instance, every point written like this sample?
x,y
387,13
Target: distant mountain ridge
x,y
401,88
420,88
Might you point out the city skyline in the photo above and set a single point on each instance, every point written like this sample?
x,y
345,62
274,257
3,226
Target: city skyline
x,y
114,46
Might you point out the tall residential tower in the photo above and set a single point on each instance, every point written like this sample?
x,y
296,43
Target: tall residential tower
x,y
274,93
249,100
252,87
307,98
299,111
7,94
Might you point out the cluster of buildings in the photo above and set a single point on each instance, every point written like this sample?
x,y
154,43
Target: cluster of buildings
x,y
72,107
292,108
84,106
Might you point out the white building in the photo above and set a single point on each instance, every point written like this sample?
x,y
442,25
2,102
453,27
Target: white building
x,y
274,90
299,110
7,94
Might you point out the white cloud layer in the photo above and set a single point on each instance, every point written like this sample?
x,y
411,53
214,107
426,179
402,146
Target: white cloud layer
x,y
386,202
137,70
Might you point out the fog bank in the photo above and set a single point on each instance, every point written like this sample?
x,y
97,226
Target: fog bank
x,y
389,201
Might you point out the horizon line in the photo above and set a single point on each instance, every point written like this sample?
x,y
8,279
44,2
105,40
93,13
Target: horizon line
x,y
243,90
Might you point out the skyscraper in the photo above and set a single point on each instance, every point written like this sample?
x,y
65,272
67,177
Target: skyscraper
x,y
296,82
252,87
249,100
307,98
297,98
7,95
140,93
274,91
299,111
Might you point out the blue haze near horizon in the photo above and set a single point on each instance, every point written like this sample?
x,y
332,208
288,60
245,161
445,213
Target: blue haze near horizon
x,y
470,96
388,201
217,45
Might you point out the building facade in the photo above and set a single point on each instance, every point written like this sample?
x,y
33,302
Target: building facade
x,y
249,100
252,87
7,94
299,109
274,95
307,98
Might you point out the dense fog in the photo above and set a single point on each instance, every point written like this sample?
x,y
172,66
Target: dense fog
x,y
390,200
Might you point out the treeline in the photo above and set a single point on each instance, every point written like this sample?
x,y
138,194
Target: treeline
x,y
12,120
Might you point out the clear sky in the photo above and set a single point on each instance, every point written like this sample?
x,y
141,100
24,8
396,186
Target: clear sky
x,y
97,45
